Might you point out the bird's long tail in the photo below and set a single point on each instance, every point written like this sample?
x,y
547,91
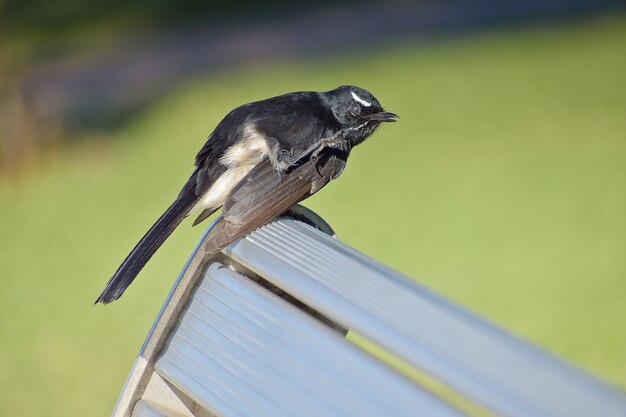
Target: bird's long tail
x,y
146,247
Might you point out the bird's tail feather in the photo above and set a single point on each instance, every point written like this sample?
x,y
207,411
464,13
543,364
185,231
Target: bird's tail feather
x,y
146,247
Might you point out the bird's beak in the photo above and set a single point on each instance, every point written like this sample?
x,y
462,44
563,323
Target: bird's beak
x,y
383,116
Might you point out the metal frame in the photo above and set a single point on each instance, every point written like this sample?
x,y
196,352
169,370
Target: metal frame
x,y
213,349
142,372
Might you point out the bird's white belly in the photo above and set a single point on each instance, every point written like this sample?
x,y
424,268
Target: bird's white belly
x,y
239,160
216,195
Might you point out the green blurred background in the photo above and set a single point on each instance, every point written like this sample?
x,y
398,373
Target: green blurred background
x,y
503,186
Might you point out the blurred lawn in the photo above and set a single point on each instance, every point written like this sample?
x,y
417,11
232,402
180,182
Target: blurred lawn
x,y
503,186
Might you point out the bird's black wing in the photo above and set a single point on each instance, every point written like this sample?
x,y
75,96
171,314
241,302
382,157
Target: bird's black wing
x,y
264,194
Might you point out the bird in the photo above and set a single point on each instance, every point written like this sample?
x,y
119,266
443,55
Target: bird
x,y
262,158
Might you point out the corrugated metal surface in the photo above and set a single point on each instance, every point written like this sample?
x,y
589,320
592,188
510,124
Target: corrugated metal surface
x,y
239,350
504,373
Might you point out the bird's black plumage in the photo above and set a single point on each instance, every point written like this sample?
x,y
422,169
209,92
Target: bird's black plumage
x,y
261,159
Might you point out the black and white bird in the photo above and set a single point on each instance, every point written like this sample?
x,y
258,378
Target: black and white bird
x,y
260,160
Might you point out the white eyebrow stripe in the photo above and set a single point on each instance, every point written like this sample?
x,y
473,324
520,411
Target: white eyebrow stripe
x,y
360,100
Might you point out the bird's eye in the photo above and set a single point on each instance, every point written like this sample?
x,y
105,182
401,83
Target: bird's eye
x,y
355,110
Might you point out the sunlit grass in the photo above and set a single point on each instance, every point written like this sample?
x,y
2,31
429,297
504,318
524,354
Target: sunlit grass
x,y
503,186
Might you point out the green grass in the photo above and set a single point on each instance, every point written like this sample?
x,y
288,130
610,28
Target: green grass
x,y
503,186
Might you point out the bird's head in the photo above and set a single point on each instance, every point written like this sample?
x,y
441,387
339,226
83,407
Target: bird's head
x,y
358,112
